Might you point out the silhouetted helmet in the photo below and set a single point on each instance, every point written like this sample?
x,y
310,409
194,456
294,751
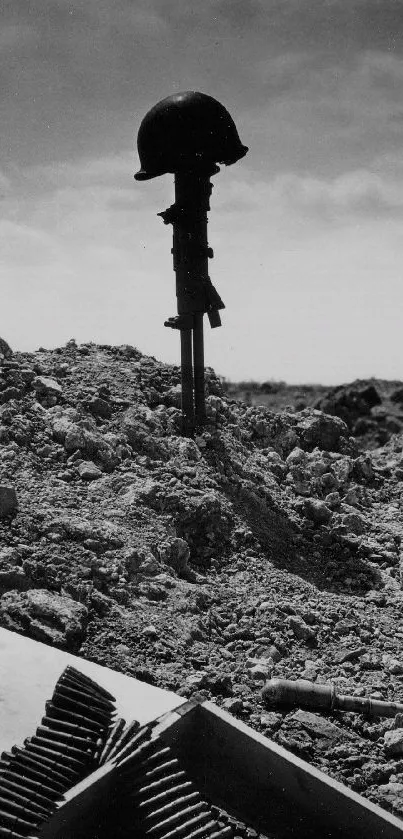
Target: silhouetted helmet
x,y
184,132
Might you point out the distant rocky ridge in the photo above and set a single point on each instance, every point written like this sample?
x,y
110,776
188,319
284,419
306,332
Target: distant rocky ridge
x,y
270,545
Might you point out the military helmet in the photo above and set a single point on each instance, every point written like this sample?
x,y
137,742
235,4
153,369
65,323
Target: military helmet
x,y
184,132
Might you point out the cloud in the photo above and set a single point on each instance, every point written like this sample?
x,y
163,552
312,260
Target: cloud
x,y
88,217
65,187
26,246
83,172
316,203
368,73
310,81
334,25
323,116
359,193
75,74
16,36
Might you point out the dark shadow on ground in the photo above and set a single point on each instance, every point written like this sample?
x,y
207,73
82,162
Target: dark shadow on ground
x,y
288,547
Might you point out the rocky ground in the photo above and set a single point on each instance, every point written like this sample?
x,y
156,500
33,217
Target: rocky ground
x,y
269,546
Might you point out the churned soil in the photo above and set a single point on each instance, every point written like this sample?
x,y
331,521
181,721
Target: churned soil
x,y
267,546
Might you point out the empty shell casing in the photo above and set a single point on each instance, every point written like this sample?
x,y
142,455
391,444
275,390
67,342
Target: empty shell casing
x,y
53,762
130,771
41,770
86,680
63,749
24,791
94,713
9,805
61,725
14,797
71,740
30,783
7,833
131,767
78,684
83,695
55,712
159,756
141,762
132,748
163,797
77,691
154,786
187,812
145,795
16,822
131,735
177,804
112,738
195,827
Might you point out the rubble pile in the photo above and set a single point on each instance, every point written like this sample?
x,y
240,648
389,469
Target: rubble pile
x,y
268,546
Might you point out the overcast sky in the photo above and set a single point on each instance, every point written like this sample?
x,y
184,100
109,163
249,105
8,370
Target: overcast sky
x,y
307,229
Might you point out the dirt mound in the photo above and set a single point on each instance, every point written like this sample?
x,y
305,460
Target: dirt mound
x,y
265,547
350,402
371,408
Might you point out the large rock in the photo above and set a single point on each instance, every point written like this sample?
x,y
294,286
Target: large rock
x,y
75,437
175,552
355,523
100,407
390,795
105,533
8,501
45,386
300,629
88,471
142,491
67,432
397,396
45,616
350,402
141,560
327,433
317,511
259,668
